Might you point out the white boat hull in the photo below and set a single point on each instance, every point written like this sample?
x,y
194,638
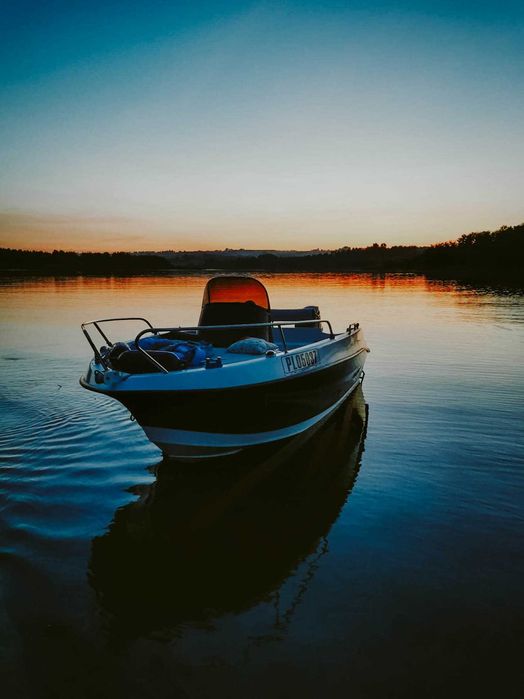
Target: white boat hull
x,y
201,413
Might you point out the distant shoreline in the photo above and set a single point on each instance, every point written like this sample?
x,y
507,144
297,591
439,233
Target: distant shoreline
x,y
485,257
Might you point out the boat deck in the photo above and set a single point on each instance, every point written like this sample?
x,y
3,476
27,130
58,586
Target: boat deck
x,y
295,338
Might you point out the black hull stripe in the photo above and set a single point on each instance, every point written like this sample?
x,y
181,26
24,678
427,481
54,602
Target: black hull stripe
x,y
256,408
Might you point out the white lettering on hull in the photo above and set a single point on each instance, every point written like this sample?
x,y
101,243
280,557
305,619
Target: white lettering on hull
x,y
301,361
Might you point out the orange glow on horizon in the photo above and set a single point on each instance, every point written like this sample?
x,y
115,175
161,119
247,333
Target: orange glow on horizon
x,y
47,233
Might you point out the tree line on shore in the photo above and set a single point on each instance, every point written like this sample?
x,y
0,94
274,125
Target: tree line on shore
x,y
75,263
483,255
497,254
374,257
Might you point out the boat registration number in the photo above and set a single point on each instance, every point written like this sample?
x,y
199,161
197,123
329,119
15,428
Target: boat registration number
x,y
300,361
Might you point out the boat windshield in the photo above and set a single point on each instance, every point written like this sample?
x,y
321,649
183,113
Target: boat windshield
x,y
235,290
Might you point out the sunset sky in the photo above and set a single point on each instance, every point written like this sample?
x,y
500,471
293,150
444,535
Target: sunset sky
x,y
194,125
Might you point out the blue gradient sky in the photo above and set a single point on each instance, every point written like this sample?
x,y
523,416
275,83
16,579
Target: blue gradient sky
x,y
153,125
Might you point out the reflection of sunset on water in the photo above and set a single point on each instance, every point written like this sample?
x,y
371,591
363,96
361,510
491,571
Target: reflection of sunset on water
x,y
175,299
432,518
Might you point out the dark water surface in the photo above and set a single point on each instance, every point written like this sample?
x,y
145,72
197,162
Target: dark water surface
x,y
381,557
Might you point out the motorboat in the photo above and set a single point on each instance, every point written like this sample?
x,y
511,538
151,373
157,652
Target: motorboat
x,y
245,375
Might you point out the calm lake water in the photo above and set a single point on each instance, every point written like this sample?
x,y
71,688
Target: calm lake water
x,y
383,557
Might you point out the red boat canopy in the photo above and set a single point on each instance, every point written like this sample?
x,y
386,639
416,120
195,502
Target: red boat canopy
x,y
235,290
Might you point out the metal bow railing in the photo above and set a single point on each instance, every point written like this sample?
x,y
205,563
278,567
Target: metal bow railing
x,y
277,325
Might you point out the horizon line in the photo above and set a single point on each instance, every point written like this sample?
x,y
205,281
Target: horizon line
x,y
251,250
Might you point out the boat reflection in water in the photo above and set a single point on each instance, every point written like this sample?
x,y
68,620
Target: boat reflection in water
x,y
203,541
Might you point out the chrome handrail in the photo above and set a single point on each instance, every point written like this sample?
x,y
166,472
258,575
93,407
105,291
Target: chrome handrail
x,y
237,326
277,324
96,352
110,320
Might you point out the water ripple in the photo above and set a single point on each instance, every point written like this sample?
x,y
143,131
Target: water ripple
x,y
421,565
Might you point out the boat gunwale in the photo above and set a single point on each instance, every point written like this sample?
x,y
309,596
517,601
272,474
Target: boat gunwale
x,y
113,391
195,328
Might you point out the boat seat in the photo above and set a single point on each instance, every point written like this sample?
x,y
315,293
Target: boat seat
x,y
233,313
